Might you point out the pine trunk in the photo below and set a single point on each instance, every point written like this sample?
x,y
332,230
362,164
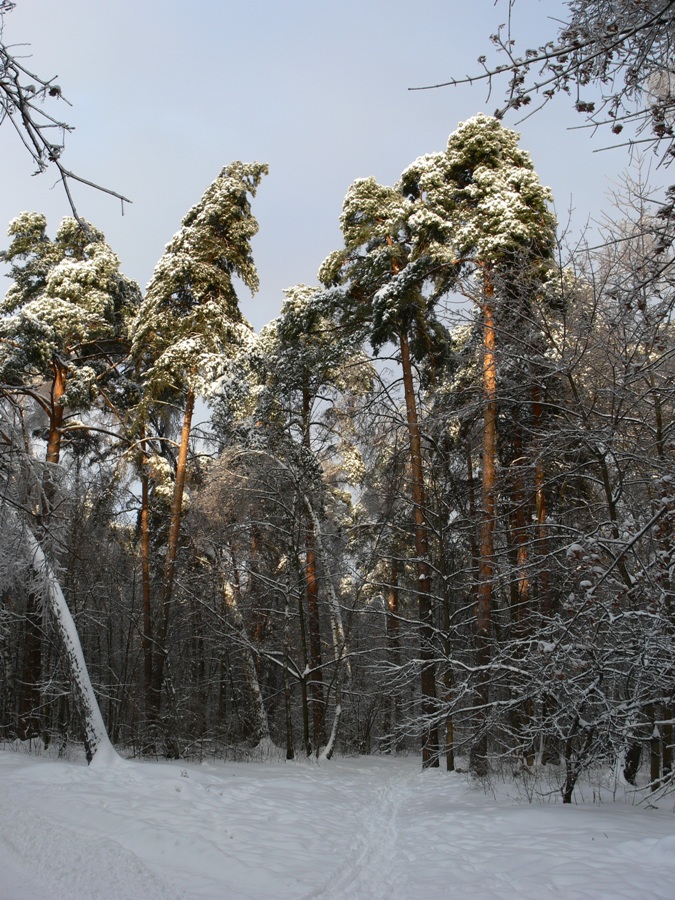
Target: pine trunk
x,y
146,637
486,560
430,746
162,649
392,701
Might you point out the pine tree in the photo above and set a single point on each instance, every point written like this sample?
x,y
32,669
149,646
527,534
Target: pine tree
x,y
477,207
379,278
63,334
188,327
65,318
484,194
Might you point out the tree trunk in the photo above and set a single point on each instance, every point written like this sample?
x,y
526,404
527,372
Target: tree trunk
x,y
340,648
146,637
56,413
316,686
544,581
29,694
306,738
288,711
486,560
430,746
96,741
392,700
231,597
170,559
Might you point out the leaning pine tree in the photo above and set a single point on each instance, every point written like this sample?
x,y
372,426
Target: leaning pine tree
x,y
188,327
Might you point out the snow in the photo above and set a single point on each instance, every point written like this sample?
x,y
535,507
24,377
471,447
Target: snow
x,y
367,827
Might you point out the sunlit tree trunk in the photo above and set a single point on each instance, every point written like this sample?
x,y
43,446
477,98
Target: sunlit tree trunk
x,y
486,559
56,411
170,559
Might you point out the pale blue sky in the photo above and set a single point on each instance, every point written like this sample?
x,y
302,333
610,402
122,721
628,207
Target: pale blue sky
x,y
165,93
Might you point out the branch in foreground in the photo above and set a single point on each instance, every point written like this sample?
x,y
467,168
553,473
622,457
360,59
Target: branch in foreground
x,y
22,95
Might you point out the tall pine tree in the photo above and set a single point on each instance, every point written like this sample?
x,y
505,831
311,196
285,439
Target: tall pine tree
x,y
188,327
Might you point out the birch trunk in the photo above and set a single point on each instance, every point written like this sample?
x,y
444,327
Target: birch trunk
x,y
230,595
96,741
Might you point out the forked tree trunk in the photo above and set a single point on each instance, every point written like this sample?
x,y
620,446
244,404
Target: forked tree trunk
x,y
56,411
430,747
342,671
162,649
340,647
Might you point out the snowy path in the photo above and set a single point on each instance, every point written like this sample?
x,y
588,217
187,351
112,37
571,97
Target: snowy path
x,y
359,829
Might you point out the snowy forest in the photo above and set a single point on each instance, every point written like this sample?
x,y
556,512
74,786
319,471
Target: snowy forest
x,y
428,509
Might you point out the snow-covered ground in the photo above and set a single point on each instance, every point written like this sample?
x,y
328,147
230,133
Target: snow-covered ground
x,y
352,828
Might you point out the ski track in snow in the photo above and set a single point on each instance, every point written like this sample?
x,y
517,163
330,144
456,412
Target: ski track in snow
x,y
369,869
351,829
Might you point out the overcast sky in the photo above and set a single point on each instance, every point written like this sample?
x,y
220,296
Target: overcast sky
x,y
165,93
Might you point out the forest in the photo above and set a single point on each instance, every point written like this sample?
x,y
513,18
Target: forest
x,y
427,509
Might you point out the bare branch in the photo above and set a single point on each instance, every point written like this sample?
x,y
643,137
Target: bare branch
x,y
624,48
22,95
